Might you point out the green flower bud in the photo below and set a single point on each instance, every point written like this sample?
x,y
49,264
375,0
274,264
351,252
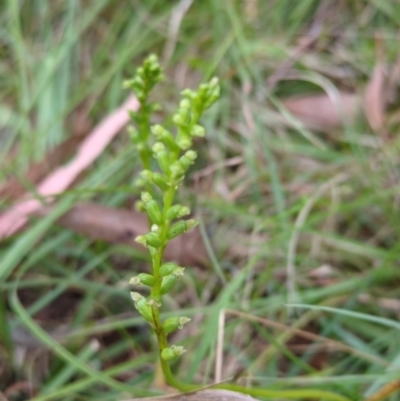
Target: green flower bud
x,y
185,162
152,60
188,93
167,283
153,240
181,227
147,175
167,268
157,130
172,212
168,354
174,323
184,142
203,88
198,130
138,85
187,159
163,161
160,181
191,154
163,135
146,197
158,147
150,239
140,206
170,325
138,82
154,212
146,279
178,119
162,156
177,211
184,104
141,305
177,170
171,353
177,229
185,111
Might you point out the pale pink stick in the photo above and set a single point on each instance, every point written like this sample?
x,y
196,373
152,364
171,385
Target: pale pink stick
x,y
58,181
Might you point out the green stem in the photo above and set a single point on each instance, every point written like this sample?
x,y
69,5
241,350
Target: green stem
x,y
256,392
144,129
292,394
157,262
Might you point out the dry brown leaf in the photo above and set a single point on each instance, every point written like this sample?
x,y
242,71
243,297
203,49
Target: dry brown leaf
x,y
321,113
204,395
64,176
123,226
374,99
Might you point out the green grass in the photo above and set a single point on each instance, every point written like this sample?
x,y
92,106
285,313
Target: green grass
x,y
59,58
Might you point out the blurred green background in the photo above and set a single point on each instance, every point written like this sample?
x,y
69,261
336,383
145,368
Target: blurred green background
x,y
297,195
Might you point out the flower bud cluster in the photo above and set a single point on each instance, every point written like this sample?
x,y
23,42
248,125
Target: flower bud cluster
x,y
191,107
141,304
168,280
174,157
161,231
149,74
170,273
